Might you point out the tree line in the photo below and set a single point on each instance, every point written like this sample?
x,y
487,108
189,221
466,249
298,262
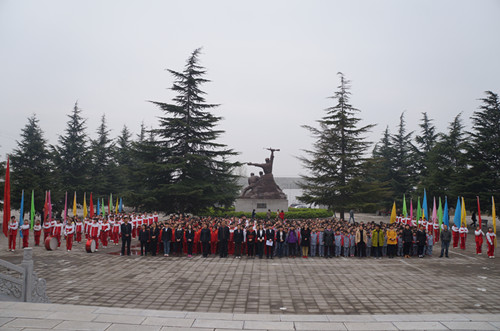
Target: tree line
x,y
181,166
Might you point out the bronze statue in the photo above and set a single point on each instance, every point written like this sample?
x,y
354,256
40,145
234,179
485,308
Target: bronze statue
x,y
264,187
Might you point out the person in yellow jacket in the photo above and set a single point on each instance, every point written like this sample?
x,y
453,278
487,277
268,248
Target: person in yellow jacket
x,y
392,241
377,241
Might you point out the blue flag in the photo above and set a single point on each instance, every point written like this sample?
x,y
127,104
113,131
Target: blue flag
x,y
21,213
458,214
424,206
446,214
98,208
121,206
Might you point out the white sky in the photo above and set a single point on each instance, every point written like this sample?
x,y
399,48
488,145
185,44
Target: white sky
x,y
272,64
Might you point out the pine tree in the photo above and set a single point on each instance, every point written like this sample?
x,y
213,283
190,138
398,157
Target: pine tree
x,y
30,166
124,161
380,170
194,165
402,162
103,167
71,155
484,148
336,162
426,142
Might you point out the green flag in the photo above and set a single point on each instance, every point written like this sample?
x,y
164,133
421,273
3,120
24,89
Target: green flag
x,y
32,211
405,212
440,214
419,211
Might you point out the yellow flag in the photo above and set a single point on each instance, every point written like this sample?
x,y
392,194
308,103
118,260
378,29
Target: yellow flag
x,y
393,213
463,220
84,206
116,208
494,217
74,205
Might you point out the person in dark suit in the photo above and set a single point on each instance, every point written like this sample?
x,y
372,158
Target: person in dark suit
x,y
251,242
126,230
223,237
166,237
190,240
205,240
261,241
269,237
238,240
154,233
179,237
143,239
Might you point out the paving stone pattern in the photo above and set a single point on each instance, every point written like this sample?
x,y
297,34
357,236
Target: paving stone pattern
x,y
463,284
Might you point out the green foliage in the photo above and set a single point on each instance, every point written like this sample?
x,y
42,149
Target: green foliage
x,y
103,168
293,213
335,163
30,167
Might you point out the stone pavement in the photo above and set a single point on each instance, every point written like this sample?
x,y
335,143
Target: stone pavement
x,y
31,316
463,284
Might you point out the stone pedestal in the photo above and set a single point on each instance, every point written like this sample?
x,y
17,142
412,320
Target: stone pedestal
x,y
260,205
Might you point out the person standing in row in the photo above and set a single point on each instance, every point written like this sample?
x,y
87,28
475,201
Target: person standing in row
x,y
261,238
305,238
12,233
37,230
251,237
223,237
166,237
361,241
126,231
479,240
392,241
69,231
25,230
190,240
407,238
154,233
238,238
179,237
490,240
143,239
445,240
205,237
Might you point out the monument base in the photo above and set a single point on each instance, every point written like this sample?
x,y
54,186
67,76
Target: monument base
x,y
260,205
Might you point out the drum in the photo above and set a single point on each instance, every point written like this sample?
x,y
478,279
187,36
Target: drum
x,y
90,246
51,243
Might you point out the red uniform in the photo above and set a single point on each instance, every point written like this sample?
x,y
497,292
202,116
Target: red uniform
x,y
69,232
490,240
25,230
479,240
78,231
104,234
57,232
455,235
95,231
47,230
115,232
213,240
13,226
37,230
463,236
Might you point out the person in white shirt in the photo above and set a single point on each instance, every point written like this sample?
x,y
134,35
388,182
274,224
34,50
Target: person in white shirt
x,y
69,231
479,240
490,240
12,233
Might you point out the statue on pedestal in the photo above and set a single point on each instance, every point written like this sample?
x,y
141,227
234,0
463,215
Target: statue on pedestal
x,y
263,187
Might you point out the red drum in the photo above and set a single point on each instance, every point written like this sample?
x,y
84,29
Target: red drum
x,y
90,246
51,243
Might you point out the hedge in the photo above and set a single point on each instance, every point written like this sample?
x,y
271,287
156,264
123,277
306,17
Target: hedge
x,y
292,213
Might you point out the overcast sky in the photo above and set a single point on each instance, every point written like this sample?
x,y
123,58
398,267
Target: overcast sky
x,y
272,64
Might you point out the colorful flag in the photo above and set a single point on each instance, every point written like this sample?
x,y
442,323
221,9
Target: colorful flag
x,y
116,207
91,206
103,211
110,201
85,213
425,211
32,212
65,207
50,208
494,217
121,206
446,214
404,212
74,204
440,214
98,211
21,214
463,220
419,211
46,207
434,212
411,210
393,213
479,213
6,200
458,212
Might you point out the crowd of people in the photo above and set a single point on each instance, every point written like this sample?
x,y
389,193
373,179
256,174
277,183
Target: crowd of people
x,y
182,235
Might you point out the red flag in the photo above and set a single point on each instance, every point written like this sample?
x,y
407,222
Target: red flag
x,y
91,206
479,213
45,208
6,201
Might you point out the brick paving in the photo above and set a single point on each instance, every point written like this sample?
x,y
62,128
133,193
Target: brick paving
x,y
463,284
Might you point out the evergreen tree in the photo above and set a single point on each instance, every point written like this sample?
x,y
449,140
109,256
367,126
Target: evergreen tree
x,y
103,173
484,150
193,164
380,170
425,143
402,161
72,157
123,160
335,164
30,167
448,162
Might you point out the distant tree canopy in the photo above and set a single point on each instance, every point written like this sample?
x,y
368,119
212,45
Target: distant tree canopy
x,y
179,166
